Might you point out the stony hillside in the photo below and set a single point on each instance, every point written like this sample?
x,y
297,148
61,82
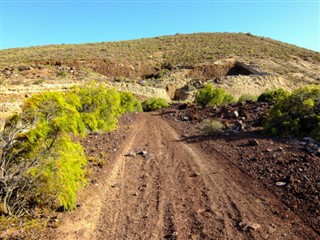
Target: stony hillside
x,y
173,65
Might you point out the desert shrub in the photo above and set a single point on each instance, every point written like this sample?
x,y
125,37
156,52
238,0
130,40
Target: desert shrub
x,y
40,163
211,96
153,104
129,103
63,74
39,81
271,96
296,114
61,174
100,106
247,97
211,126
35,145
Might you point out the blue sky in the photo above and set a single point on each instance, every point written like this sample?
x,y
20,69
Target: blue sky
x,y
31,23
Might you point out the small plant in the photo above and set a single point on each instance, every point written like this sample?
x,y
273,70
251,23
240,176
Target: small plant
x,y
211,96
39,81
271,96
247,97
2,81
62,74
153,104
211,126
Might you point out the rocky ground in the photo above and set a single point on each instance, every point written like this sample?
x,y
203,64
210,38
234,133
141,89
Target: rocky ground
x,y
289,168
165,179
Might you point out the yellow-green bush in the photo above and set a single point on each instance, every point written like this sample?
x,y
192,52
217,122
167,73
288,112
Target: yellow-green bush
x,y
271,96
41,164
100,106
153,104
296,114
211,96
129,103
247,97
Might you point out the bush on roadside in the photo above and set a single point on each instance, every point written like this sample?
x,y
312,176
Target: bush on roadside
x,y
271,96
247,97
153,104
211,126
41,163
296,114
211,96
100,106
129,103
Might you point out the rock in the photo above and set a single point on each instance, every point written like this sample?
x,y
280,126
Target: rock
x,y
244,113
317,151
131,154
182,106
245,226
253,142
312,148
114,185
194,175
308,140
185,118
235,114
142,152
281,184
23,68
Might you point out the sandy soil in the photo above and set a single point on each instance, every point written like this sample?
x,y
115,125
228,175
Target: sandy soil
x,y
158,186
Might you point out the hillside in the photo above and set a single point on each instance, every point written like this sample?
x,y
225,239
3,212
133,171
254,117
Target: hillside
x,y
176,64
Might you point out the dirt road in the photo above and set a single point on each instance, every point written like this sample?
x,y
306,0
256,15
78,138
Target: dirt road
x,y
175,191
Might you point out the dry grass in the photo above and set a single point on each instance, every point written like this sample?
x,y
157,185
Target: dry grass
x,y
181,49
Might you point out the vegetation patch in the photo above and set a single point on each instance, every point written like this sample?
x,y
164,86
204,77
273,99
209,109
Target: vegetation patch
x,y
211,96
211,126
296,114
247,97
153,104
42,166
271,96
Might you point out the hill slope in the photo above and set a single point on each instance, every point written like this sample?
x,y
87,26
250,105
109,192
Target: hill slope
x,y
168,62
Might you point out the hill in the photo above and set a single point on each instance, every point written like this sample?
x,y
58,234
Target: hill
x,y
176,65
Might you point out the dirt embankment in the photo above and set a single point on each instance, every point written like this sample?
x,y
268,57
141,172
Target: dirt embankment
x,y
159,186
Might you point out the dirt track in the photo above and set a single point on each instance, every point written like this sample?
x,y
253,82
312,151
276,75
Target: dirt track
x,y
177,192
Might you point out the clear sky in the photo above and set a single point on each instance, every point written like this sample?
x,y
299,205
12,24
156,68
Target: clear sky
x,y
41,22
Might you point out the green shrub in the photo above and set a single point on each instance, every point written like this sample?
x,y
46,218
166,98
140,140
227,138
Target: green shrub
x,y
100,106
271,96
40,163
296,114
153,104
247,97
211,96
129,103
211,126
61,174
